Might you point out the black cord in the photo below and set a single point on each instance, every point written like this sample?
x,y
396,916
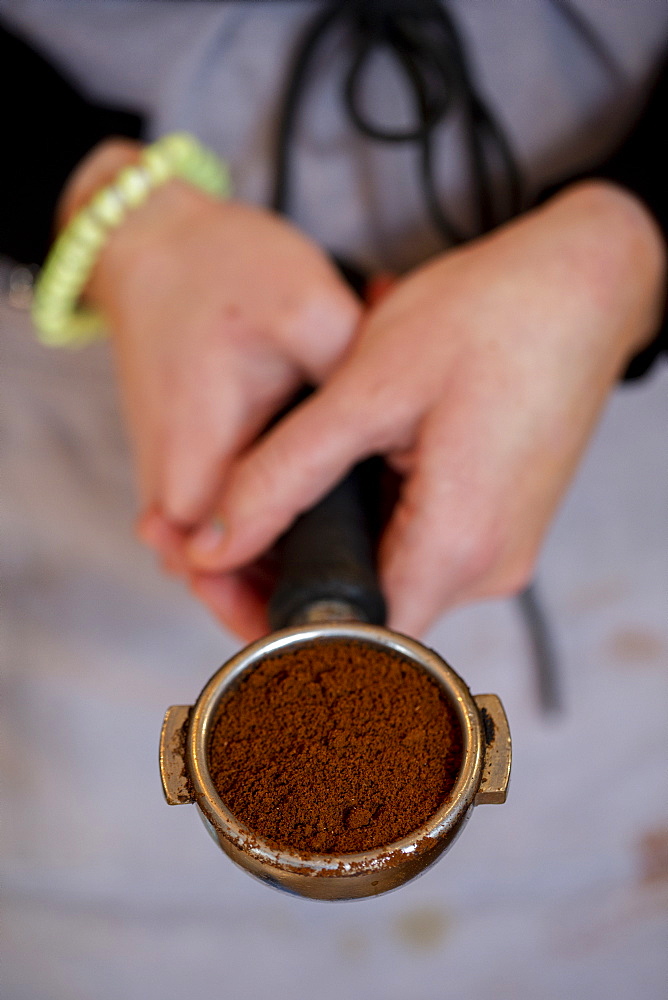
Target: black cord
x,y
427,49
542,645
280,200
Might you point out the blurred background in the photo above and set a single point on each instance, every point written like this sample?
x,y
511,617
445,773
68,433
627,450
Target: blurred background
x,y
110,894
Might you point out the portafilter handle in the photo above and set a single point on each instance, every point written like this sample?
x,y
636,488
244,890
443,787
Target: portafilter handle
x,y
326,560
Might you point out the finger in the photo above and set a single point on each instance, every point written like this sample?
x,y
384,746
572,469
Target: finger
x,y
470,512
145,437
413,560
234,601
207,435
292,468
317,333
155,530
204,424
148,527
444,534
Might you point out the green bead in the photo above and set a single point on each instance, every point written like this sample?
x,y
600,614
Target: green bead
x,y
133,186
72,263
86,230
156,165
108,207
64,278
207,174
77,253
179,146
59,294
50,326
192,174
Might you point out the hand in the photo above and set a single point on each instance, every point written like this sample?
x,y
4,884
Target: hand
x,y
218,311
480,378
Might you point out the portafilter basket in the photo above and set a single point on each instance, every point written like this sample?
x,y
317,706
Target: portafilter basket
x,y
327,592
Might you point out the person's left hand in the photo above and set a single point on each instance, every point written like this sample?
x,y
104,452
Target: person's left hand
x,y
218,311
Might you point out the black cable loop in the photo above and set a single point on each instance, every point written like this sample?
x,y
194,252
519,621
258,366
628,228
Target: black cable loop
x,y
281,194
425,44
441,221
483,129
513,178
430,112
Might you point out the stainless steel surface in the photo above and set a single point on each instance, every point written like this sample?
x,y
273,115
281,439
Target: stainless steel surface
x,y
184,768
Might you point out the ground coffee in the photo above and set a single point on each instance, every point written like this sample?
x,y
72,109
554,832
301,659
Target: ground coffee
x,y
335,747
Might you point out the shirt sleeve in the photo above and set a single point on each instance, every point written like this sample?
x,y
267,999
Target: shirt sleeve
x,y
51,127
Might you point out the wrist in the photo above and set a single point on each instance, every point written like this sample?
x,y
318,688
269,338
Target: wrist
x,y
632,258
56,311
164,219
625,258
97,169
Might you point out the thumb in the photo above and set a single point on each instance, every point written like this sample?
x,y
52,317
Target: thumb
x,y
287,472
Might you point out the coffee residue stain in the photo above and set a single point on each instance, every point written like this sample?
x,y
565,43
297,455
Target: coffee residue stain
x,y
422,929
588,598
636,646
353,945
653,856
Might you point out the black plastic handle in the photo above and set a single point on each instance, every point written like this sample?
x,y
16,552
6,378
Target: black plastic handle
x,y
327,557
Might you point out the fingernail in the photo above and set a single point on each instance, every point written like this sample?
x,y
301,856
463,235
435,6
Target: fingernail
x,y
207,539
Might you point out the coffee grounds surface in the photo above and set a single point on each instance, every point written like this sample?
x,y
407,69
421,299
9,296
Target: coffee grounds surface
x,y
335,747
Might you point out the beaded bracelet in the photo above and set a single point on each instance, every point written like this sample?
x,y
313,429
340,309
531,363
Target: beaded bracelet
x,y
59,319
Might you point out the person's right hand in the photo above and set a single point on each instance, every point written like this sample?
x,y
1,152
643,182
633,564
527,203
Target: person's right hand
x,y
218,312
479,377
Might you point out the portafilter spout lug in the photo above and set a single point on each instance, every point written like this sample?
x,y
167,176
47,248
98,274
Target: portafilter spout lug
x,y
495,777
173,768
